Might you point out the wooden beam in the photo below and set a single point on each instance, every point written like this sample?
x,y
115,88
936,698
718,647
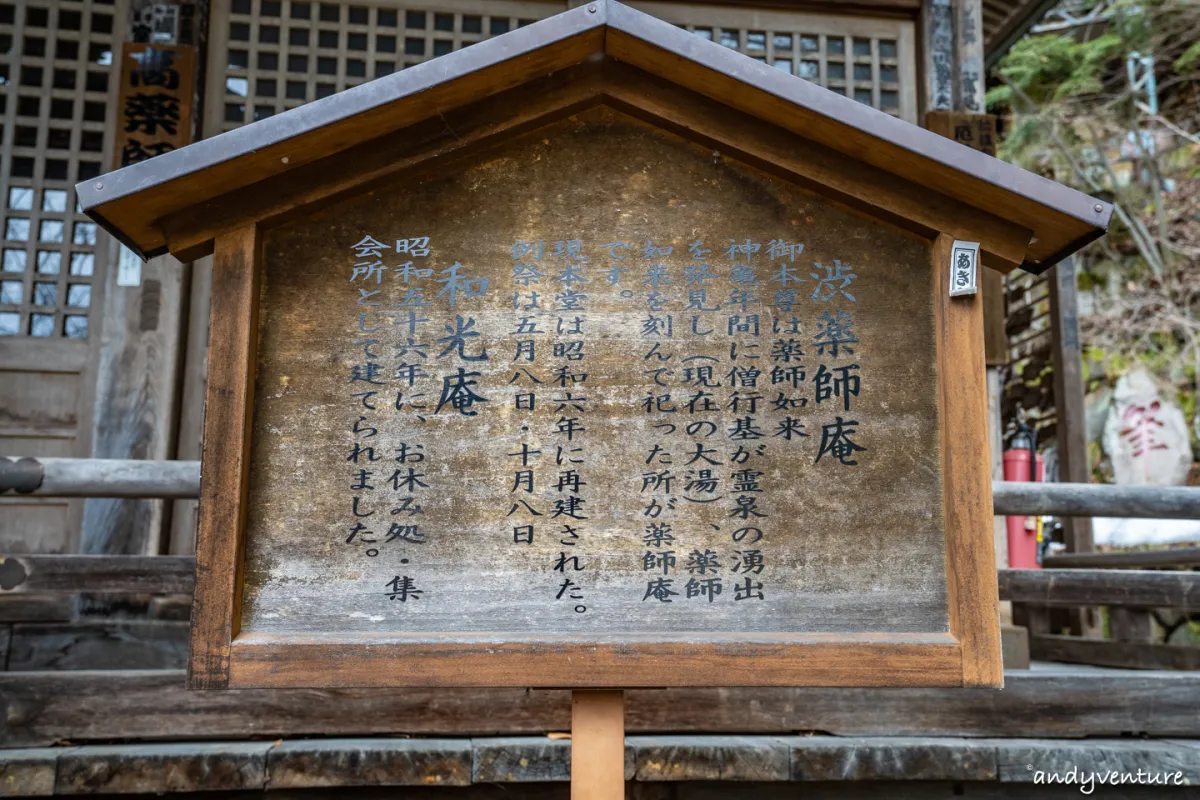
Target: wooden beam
x,y
35,607
26,575
97,574
1096,500
67,477
42,708
99,477
1080,587
98,645
1105,653
1138,559
897,767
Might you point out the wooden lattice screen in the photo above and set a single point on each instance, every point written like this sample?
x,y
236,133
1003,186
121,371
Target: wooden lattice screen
x,y
55,68
267,56
870,60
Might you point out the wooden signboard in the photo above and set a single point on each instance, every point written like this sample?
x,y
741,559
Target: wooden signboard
x,y
485,402
595,355
155,100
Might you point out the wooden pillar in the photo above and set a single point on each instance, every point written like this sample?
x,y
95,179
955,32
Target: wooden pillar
x,y
1074,465
597,745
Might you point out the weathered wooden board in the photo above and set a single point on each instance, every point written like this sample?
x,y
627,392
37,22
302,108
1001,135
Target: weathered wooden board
x,y
1076,587
132,644
40,708
753,424
1106,653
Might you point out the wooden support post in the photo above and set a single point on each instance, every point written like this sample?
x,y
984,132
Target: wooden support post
x,y
597,745
1073,464
1071,411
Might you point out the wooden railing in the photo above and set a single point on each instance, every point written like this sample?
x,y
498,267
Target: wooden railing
x,y
175,575
1092,579
95,477
1083,579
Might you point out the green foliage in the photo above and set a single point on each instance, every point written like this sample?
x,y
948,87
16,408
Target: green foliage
x,y
1071,114
1049,69
1189,59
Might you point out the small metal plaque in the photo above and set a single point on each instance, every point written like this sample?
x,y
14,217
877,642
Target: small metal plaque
x,y
964,268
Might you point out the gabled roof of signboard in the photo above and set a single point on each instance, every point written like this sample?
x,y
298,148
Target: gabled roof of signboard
x,y
180,201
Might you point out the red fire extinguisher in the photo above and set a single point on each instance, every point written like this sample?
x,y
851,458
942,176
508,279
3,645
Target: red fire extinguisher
x,y
1021,463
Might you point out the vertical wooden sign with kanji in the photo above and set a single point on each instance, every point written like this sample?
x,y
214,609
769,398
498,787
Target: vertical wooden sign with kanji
x,y
155,102
976,131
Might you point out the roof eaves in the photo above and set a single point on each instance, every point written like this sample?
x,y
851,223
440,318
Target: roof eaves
x,y
843,110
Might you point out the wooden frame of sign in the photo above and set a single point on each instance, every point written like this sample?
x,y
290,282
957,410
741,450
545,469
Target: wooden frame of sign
x,y
600,65
967,655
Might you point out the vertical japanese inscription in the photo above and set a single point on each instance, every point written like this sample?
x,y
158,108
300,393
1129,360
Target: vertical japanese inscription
x,y
407,386
155,101
723,362
681,410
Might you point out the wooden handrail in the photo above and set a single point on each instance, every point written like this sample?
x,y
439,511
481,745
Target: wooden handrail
x,y
97,477
175,575
1102,587
1136,559
55,574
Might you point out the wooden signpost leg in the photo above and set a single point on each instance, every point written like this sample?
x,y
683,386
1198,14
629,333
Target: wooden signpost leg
x,y
597,745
